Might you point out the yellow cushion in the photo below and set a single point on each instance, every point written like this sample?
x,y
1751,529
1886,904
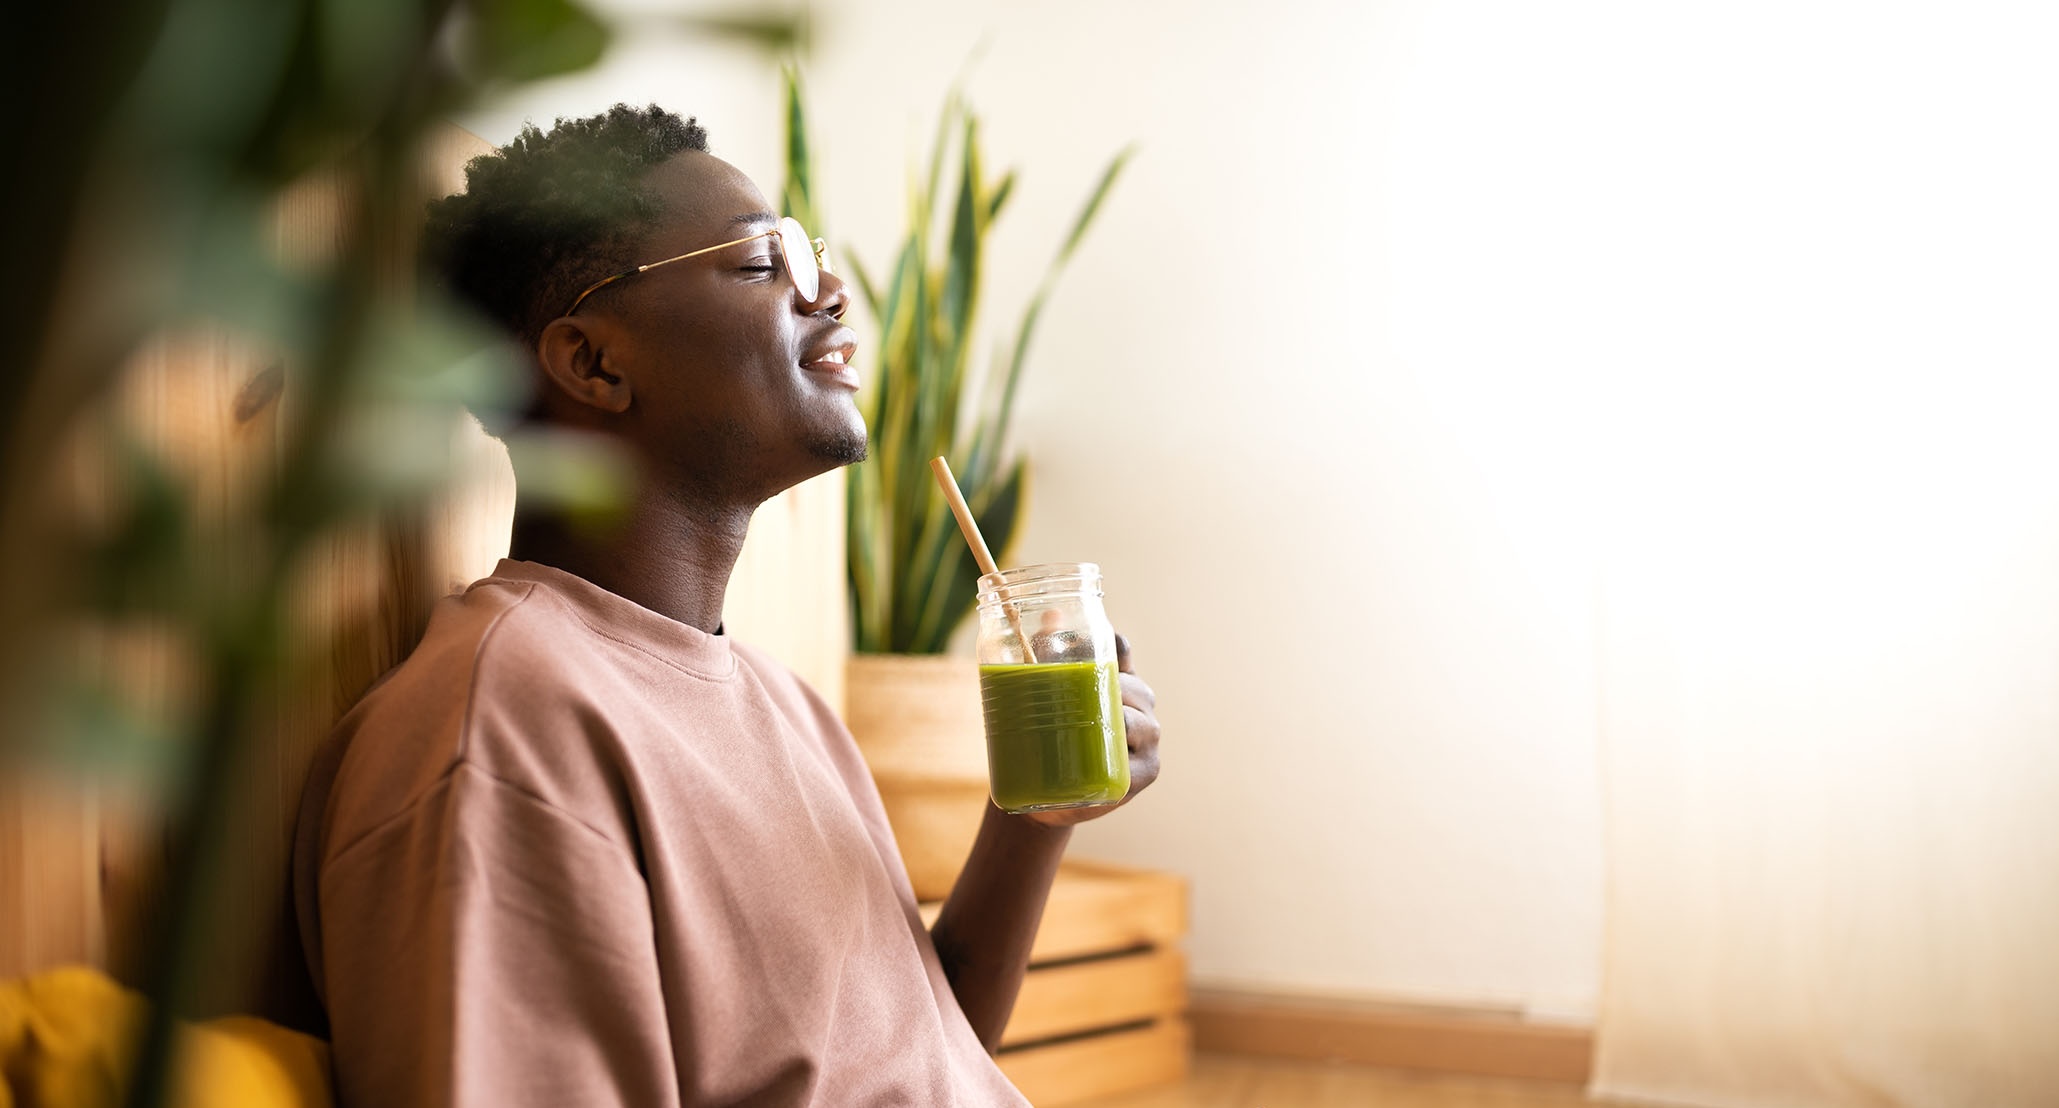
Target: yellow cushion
x,y
66,1036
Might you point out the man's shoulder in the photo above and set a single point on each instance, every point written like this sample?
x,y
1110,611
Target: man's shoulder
x,y
495,631
409,730
508,622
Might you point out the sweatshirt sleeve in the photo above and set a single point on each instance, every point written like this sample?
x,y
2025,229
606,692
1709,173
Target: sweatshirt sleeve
x,y
486,948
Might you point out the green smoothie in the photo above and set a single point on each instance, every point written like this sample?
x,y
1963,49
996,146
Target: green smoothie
x,y
1054,735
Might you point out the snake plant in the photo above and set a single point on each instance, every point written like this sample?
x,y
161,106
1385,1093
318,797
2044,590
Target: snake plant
x,y
912,578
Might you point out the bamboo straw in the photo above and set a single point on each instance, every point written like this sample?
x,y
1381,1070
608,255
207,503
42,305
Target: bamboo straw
x,y
973,539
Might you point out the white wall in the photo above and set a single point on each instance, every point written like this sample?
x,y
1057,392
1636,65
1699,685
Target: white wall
x,y
1373,648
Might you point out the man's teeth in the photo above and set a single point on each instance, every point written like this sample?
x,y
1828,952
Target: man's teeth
x,y
836,356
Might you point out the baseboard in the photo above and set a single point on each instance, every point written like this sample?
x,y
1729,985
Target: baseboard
x,y
1484,1044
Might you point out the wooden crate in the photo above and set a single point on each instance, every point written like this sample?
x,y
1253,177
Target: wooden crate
x,y
1101,1065
1103,1009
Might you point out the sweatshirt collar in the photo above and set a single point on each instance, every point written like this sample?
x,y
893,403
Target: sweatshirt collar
x,y
619,617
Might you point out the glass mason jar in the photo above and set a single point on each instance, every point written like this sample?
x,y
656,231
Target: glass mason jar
x,y
1048,683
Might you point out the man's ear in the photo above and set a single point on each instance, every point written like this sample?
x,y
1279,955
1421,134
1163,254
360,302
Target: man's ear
x,y
574,355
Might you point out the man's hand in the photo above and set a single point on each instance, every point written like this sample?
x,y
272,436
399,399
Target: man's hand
x,y
988,924
1140,725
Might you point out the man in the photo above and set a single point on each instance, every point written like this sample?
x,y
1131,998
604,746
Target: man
x,y
582,849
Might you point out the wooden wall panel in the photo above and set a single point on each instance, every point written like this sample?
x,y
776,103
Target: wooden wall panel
x,y
49,872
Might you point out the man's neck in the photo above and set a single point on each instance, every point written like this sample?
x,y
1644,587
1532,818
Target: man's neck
x,y
670,559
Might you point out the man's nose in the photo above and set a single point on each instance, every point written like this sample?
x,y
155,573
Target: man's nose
x,y
833,296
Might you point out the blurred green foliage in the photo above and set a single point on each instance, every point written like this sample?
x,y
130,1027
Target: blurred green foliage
x,y
163,137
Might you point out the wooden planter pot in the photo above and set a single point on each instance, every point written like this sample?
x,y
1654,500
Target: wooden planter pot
x,y
917,720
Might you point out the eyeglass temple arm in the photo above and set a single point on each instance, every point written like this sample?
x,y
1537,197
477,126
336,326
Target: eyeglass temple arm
x,y
817,245
614,277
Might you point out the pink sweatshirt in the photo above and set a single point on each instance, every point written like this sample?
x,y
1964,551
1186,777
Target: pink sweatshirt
x,y
573,852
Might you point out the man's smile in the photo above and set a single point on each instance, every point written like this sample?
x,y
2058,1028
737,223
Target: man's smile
x,y
833,359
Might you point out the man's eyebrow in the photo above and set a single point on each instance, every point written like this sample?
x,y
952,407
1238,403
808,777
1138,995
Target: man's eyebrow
x,y
753,218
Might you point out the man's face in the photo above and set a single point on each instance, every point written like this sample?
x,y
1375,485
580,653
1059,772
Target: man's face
x,y
740,386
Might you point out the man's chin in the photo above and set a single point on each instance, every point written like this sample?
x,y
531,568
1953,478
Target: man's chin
x,y
840,450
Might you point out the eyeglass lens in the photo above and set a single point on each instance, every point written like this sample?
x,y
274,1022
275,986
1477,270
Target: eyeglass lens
x,y
799,254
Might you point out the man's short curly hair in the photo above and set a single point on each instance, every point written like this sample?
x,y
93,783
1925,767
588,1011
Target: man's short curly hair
x,y
549,214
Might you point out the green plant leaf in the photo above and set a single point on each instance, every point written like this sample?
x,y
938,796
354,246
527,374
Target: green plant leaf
x,y
900,432
954,108
999,197
523,40
998,521
1004,510
867,291
867,572
961,269
797,199
1093,206
590,480
773,33
1030,315
143,561
941,548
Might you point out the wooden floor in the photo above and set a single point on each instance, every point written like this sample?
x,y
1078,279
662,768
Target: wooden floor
x,y
1243,1081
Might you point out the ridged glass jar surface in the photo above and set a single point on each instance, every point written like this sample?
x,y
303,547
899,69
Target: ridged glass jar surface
x,y
1052,701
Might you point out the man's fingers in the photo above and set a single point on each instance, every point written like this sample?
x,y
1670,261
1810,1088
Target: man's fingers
x,y
1143,771
1143,742
1140,730
1140,721
1136,693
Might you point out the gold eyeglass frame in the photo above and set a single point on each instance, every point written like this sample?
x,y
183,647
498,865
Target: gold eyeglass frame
x,y
817,246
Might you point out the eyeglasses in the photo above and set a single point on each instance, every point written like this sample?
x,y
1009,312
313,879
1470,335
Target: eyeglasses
x,y
805,266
